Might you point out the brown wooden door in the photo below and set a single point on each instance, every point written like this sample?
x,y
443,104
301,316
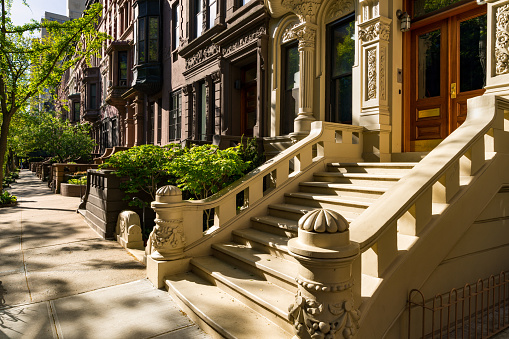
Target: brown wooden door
x,y
447,62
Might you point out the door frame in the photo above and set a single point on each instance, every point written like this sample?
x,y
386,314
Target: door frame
x,y
407,60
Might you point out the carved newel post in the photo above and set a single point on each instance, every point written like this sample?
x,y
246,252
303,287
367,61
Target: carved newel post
x,y
324,305
167,239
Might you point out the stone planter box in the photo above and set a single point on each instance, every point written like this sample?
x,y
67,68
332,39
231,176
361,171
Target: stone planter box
x,y
70,190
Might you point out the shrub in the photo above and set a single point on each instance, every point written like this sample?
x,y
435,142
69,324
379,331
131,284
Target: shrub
x,y
6,198
78,181
204,170
144,166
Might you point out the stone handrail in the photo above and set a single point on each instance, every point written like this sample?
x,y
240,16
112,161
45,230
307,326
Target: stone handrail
x,y
326,141
407,207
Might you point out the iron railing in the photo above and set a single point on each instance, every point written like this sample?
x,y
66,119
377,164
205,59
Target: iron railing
x,y
477,310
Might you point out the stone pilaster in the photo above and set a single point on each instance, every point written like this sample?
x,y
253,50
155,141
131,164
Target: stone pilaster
x,y
497,54
129,126
374,35
138,121
325,305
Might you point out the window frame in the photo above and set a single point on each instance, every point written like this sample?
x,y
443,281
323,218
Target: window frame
x,y
175,116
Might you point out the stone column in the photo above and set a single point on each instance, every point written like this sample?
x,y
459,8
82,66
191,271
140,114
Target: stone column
x,y
129,126
374,34
325,305
165,246
306,34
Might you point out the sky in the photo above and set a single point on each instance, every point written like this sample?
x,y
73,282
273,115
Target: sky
x,y
22,14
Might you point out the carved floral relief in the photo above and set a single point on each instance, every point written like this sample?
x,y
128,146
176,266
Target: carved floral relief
x,y
340,8
502,40
374,31
244,40
371,74
202,55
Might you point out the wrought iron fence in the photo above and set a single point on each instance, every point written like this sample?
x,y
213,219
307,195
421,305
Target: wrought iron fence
x,y
477,310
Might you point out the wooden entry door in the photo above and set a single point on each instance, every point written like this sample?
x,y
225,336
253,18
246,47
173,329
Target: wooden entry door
x,y
448,66
248,97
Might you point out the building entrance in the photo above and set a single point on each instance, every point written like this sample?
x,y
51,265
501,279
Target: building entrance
x,y
447,59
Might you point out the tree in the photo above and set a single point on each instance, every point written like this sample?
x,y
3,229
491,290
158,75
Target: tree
x,y
61,139
29,65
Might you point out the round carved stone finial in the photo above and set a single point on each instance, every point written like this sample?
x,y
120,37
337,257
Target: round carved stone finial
x,y
168,194
168,190
323,221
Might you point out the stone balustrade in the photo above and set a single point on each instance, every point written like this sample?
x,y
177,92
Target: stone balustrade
x,y
206,221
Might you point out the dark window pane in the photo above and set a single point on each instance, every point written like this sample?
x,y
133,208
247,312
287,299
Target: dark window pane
x,y
429,64
202,118
141,40
422,7
473,53
342,52
343,48
153,42
290,108
93,96
122,65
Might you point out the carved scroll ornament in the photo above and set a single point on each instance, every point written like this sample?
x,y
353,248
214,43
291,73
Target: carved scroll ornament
x,y
372,74
502,40
377,30
340,8
306,10
202,55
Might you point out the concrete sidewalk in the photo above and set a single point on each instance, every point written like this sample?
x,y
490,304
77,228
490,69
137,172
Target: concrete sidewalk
x,y
58,279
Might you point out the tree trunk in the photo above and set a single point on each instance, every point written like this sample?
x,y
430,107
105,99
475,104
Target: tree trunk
x,y
4,132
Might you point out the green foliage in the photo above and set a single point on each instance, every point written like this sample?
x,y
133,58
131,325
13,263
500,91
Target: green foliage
x,y
204,170
250,154
29,65
144,166
6,198
78,181
61,139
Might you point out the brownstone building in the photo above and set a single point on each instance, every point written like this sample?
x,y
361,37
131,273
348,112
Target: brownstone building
x,y
173,71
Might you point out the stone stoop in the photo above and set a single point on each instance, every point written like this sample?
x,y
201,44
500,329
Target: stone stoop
x,y
244,289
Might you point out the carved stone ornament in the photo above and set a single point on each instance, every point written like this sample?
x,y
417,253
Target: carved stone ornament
x,y
308,315
502,40
168,234
306,35
185,90
215,76
306,10
289,33
202,55
245,40
372,74
377,30
382,73
323,221
340,8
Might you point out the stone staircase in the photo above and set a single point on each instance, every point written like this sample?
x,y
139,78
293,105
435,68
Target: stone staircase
x,y
244,289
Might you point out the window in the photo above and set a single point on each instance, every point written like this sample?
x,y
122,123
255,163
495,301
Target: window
x,y
76,111
175,26
290,84
202,113
341,57
153,39
151,124
198,19
212,13
93,96
114,139
175,115
122,68
141,40
159,121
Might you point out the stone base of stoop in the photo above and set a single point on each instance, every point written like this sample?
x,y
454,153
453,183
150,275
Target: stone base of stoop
x,y
158,269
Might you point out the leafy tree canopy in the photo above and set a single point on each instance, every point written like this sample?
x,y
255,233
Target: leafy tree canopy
x,y
28,65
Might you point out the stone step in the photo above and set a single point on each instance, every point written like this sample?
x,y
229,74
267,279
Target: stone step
x,y
343,190
363,179
295,212
267,299
334,202
371,167
216,310
278,271
272,244
279,226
